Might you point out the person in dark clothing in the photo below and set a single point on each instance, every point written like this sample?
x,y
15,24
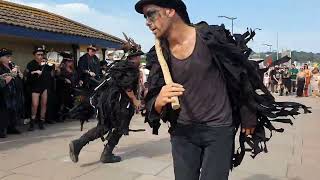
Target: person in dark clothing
x,y
4,121
115,101
286,80
279,76
2,82
216,84
203,134
301,81
89,67
274,81
38,77
10,94
67,80
52,101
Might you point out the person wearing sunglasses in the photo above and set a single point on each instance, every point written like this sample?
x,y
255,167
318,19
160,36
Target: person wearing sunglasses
x,y
38,80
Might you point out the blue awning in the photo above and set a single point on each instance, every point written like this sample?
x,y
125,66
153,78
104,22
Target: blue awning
x,y
55,37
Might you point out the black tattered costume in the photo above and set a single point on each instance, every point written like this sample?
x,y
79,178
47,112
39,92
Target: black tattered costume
x,y
67,79
38,83
11,104
114,110
11,97
251,102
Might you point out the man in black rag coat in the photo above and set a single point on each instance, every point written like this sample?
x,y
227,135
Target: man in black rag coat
x,y
217,87
115,101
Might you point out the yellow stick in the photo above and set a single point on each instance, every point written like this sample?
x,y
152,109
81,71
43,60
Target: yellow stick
x,y
166,73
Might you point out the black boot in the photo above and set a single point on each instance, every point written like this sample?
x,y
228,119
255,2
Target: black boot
x,y
41,125
31,125
75,146
3,133
107,156
63,114
13,130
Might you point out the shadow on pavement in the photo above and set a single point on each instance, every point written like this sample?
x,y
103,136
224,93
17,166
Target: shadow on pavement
x,y
147,149
267,177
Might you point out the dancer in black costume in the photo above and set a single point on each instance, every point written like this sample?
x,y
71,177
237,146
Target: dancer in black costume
x,y
220,91
115,101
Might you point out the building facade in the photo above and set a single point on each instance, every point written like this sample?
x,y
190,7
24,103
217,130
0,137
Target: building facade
x,y
22,28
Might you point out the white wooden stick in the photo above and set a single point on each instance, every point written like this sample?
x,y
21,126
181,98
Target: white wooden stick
x,y
166,73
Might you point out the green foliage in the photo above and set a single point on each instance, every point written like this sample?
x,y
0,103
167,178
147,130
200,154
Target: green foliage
x,y
296,56
305,56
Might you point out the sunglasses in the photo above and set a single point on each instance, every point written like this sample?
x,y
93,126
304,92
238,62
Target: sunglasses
x,y
151,15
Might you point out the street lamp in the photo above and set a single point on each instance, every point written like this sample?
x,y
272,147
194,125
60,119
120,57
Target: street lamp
x,y
257,29
269,45
230,18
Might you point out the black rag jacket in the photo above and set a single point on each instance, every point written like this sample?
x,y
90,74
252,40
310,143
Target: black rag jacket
x,y
252,104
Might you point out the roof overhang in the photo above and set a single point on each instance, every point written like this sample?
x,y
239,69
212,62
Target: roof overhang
x,y
23,32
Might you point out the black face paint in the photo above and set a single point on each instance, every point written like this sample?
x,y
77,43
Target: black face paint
x,y
151,15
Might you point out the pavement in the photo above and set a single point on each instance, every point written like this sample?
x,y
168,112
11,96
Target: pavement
x,y
43,155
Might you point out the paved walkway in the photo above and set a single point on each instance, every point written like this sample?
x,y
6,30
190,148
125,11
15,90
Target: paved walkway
x,y
43,155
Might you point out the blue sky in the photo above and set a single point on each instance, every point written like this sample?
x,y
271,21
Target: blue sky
x,y
297,22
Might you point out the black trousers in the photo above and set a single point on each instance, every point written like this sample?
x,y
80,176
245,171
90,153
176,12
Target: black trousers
x,y
4,122
52,106
202,152
293,85
287,84
8,120
300,86
97,132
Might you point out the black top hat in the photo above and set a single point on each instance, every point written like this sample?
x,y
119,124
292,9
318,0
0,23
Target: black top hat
x,y
38,49
5,52
93,47
135,53
66,56
177,5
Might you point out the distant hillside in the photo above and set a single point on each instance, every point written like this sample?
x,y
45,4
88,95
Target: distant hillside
x,y
296,56
304,56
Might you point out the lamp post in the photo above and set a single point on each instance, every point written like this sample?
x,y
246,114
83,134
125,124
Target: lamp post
x,y
277,45
230,18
